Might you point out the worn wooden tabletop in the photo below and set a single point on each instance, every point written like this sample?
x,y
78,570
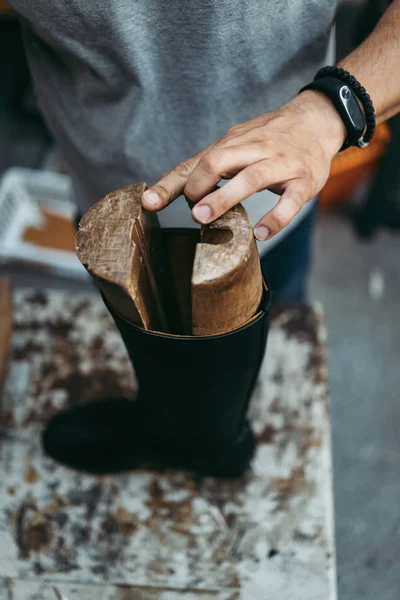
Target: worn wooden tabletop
x,y
162,535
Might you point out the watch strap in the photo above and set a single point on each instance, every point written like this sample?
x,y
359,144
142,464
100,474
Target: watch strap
x,y
361,93
340,95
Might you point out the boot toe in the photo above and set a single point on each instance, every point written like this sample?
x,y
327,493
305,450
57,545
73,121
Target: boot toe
x,y
100,436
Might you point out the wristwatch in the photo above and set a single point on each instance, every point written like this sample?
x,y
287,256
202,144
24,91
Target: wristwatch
x,y
346,103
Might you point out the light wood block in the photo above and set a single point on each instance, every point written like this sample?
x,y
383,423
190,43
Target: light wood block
x,y
226,279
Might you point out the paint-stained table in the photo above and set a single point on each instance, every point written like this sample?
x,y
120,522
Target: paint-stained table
x,y
162,535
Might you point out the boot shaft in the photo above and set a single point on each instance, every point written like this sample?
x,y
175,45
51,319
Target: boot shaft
x,y
194,391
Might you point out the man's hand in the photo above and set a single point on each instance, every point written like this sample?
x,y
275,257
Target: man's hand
x,y
288,151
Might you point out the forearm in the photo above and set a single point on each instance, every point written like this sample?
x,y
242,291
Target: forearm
x,y
376,64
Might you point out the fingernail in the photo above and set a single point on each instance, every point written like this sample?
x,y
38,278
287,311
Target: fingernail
x,y
261,232
202,213
151,198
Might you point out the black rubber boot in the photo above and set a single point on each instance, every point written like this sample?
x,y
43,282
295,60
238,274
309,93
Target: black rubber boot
x,y
190,411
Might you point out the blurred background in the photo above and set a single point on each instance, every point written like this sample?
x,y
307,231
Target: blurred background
x,y
355,276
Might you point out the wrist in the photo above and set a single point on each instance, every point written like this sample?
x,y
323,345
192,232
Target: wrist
x,y
323,117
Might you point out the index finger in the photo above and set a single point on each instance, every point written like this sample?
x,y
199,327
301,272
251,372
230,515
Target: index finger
x,y
170,186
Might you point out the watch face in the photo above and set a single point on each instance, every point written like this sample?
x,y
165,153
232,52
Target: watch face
x,y
352,108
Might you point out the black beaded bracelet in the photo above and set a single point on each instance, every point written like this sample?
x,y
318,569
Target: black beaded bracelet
x,y
361,94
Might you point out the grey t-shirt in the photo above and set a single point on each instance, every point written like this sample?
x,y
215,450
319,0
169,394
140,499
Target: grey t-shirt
x,y
130,88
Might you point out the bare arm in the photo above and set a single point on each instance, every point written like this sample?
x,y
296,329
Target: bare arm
x,y
376,64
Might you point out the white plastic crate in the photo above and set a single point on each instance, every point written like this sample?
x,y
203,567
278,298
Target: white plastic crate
x,y
24,194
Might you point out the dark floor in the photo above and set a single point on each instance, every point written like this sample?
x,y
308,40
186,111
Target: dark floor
x,y
359,286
